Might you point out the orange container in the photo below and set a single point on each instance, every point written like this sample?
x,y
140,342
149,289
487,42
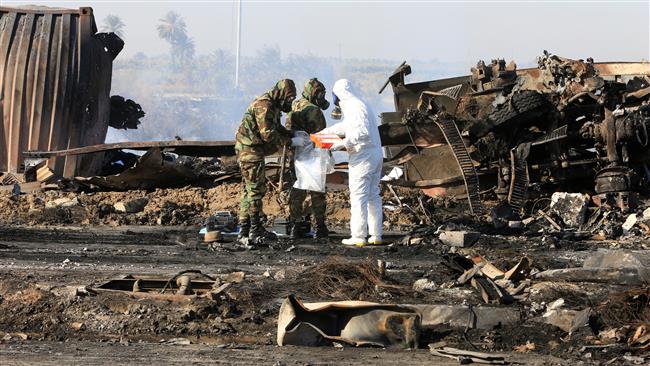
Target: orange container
x,y
324,141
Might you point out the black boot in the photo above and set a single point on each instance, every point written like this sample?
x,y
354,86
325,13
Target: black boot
x,y
244,229
257,233
297,231
321,231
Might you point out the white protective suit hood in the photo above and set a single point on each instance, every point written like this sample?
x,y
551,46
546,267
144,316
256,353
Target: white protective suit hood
x,y
358,124
363,144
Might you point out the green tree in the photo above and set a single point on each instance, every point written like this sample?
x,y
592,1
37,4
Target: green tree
x,y
113,23
172,28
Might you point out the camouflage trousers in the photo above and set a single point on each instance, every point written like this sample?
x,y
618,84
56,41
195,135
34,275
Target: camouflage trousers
x,y
254,180
318,205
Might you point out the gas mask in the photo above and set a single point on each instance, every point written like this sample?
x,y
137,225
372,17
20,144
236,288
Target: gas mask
x,y
336,112
321,102
286,104
283,93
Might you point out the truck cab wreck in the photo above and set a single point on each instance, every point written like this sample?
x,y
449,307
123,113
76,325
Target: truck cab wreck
x,y
570,125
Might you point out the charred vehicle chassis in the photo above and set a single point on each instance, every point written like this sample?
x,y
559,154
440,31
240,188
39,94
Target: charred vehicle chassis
x,y
568,125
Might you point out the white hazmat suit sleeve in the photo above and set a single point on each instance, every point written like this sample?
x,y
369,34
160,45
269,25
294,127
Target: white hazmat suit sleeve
x,y
361,139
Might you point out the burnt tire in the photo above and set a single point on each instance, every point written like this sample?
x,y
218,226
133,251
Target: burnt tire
x,y
522,107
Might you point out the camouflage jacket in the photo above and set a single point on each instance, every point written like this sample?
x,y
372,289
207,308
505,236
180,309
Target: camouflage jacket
x,y
305,116
261,132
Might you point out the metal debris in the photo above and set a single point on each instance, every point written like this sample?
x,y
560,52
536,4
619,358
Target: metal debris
x,y
544,127
466,357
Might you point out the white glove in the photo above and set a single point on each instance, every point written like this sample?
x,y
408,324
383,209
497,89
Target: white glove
x,y
298,141
338,145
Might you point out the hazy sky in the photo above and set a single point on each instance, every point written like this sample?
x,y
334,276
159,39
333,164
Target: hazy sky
x,y
450,31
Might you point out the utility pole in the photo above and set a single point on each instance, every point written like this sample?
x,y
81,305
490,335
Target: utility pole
x,y
238,44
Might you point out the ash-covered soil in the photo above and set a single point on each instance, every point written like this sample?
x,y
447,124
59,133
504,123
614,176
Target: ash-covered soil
x,y
45,272
57,248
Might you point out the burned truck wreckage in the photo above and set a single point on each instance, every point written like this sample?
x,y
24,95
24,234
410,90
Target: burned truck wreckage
x,y
568,125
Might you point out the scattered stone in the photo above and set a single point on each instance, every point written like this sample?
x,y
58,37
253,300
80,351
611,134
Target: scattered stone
x,y
77,326
567,320
84,291
132,206
629,224
424,284
280,275
459,238
63,202
515,224
570,207
415,241
555,304
222,288
646,214
235,277
524,348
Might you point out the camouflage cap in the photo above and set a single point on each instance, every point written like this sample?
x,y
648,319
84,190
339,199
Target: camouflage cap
x,y
283,89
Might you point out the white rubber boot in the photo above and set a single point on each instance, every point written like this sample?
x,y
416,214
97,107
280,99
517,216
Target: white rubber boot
x,y
354,242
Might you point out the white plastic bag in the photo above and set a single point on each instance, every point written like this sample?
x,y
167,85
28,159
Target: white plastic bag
x,y
312,166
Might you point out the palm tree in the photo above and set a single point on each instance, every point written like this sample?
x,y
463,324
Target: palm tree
x,y
184,49
172,29
113,23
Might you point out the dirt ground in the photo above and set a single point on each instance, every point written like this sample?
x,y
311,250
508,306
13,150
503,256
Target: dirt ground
x,y
182,206
57,248
45,270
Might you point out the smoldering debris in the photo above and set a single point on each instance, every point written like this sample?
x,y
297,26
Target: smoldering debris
x,y
156,170
338,278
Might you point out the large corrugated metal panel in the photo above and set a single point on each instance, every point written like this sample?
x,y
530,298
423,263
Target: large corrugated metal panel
x,y
54,86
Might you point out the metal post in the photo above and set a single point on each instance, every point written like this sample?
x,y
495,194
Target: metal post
x,y
238,43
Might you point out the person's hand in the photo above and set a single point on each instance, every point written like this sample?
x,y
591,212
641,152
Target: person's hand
x,y
299,141
338,145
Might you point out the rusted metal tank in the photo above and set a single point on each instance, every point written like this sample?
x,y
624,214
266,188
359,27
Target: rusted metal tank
x,y
55,79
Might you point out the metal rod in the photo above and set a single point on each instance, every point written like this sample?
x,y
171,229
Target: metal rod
x,y
237,57
283,160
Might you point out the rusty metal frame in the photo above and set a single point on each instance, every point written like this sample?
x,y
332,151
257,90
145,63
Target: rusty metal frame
x,y
192,148
55,78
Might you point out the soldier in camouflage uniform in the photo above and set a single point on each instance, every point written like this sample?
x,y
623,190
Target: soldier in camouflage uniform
x,y
306,115
261,133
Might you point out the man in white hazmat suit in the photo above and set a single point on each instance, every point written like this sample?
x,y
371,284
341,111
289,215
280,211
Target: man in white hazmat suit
x,y
361,139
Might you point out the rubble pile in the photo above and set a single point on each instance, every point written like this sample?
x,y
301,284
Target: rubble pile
x,y
70,312
171,206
